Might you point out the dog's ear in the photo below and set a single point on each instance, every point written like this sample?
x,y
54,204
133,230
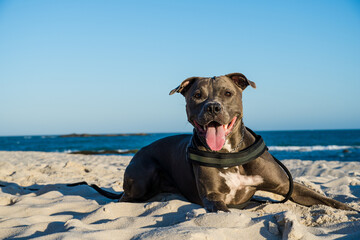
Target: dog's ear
x,y
184,86
240,80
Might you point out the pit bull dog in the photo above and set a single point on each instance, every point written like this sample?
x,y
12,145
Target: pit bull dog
x,y
214,108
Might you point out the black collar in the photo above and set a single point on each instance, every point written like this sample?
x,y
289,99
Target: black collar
x,y
221,160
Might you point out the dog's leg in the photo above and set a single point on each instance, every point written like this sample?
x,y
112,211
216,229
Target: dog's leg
x,y
276,181
308,197
209,189
141,180
305,196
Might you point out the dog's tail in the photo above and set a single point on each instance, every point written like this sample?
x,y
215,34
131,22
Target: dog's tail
x,y
99,190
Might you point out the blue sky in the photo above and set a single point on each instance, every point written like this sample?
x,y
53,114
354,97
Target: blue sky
x,y
108,66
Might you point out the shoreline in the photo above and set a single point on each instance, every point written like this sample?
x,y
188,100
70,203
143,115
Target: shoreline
x,y
35,202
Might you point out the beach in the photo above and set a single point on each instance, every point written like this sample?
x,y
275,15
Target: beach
x,y
35,202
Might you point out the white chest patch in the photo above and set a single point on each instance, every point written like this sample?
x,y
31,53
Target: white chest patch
x,y
227,146
236,181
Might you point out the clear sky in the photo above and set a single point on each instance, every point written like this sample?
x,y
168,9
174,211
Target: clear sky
x,y
88,66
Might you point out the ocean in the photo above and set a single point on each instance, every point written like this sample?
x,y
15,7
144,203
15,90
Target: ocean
x,y
330,145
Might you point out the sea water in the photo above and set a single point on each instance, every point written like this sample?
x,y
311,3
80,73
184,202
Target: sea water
x,y
331,145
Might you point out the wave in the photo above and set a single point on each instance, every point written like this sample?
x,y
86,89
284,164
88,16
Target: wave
x,y
311,148
102,152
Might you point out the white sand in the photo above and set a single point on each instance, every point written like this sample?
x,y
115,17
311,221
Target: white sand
x,y
36,203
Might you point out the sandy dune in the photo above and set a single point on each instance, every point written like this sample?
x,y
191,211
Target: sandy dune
x,y
36,203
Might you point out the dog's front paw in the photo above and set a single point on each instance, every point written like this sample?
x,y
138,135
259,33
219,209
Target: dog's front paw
x,y
215,206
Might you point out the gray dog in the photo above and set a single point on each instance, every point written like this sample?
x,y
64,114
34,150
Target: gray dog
x,y
222,164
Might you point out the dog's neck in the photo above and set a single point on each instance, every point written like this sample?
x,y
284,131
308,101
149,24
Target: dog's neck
x,y
235,141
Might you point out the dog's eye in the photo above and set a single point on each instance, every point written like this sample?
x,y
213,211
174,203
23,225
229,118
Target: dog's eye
x,y
228,94
197,95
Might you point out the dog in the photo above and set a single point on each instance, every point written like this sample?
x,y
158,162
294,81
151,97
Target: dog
x,y
214,108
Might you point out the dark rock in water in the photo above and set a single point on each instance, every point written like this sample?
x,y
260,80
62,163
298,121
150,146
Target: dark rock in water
x,y
88,152
104,135
346,151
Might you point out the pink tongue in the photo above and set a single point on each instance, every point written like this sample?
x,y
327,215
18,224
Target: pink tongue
x,y
215,137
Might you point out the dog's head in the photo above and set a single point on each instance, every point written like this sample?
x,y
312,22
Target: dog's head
x,y
214,105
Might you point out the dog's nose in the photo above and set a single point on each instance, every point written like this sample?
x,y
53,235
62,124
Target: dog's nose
x,y
213,108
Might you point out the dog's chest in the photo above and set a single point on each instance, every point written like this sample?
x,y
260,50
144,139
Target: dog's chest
x,y
237,182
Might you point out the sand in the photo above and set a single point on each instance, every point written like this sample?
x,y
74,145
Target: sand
x,y
36,203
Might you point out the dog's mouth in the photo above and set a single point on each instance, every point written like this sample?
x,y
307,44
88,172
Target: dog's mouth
x,y
215,133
